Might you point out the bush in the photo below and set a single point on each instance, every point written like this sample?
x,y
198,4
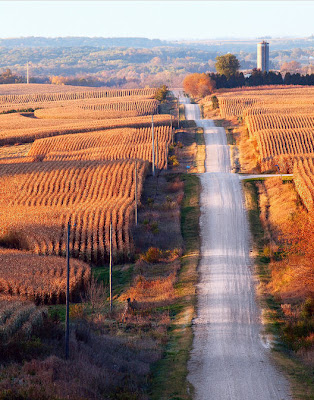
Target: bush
x,y
161,93
174,161
152,255
198,85
215,102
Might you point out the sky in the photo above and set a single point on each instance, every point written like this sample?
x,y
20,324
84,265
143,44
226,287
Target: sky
x,y
172,20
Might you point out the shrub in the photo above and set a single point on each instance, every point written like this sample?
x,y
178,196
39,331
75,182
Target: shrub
x,y
161,93
152,255
154,227
215,102
174,161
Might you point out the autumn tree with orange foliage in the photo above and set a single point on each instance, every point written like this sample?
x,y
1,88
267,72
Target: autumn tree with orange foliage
x,y
198,85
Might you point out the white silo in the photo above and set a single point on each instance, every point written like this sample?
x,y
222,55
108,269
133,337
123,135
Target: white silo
x,y
263,56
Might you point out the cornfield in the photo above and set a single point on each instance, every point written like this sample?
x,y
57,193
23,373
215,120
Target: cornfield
x,y
25,99
28,135
278,109
303,176
94,110
236,103
20,319
273,144
234,107
79,170
40,279
39,199
277,121
107,145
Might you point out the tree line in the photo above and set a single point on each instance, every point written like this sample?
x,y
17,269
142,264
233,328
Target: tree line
x,y
228,76
259,78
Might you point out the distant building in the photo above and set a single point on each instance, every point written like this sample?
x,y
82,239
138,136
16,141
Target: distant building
x,y
263,56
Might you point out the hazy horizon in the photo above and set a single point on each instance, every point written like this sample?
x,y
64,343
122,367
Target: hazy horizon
x,y
191,39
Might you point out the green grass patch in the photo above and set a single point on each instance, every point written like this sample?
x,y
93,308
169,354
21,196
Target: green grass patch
x,y
300,376
57,311
230,137
25,110
170,373
121,277
219,123
190,212
284,179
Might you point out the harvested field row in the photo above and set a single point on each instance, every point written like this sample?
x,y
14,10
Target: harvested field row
x,y
112,144
230,107
117,152
258,122
290,142
269,90
39,88
40,279
73,95
115,109
278,109
27,135
30,120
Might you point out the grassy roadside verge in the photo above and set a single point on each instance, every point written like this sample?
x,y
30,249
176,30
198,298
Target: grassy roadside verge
x,y
284,178
300,377
170,373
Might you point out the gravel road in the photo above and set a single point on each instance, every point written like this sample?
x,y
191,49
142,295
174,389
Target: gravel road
x,y
230,358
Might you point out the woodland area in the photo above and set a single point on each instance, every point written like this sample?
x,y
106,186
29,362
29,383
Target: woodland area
x,y
134,62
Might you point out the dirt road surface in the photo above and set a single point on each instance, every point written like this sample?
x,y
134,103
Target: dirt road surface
x,y
230,358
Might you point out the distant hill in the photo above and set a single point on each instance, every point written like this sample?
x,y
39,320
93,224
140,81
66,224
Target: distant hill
x,y
82,42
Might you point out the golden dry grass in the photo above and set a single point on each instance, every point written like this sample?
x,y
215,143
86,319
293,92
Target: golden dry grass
x,y
14,151
303,176
147,290
288,226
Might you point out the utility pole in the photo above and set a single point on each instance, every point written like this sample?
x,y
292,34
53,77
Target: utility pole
x,y
110,266
171,129
135,179
153,148
67,317
157,152
27,73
